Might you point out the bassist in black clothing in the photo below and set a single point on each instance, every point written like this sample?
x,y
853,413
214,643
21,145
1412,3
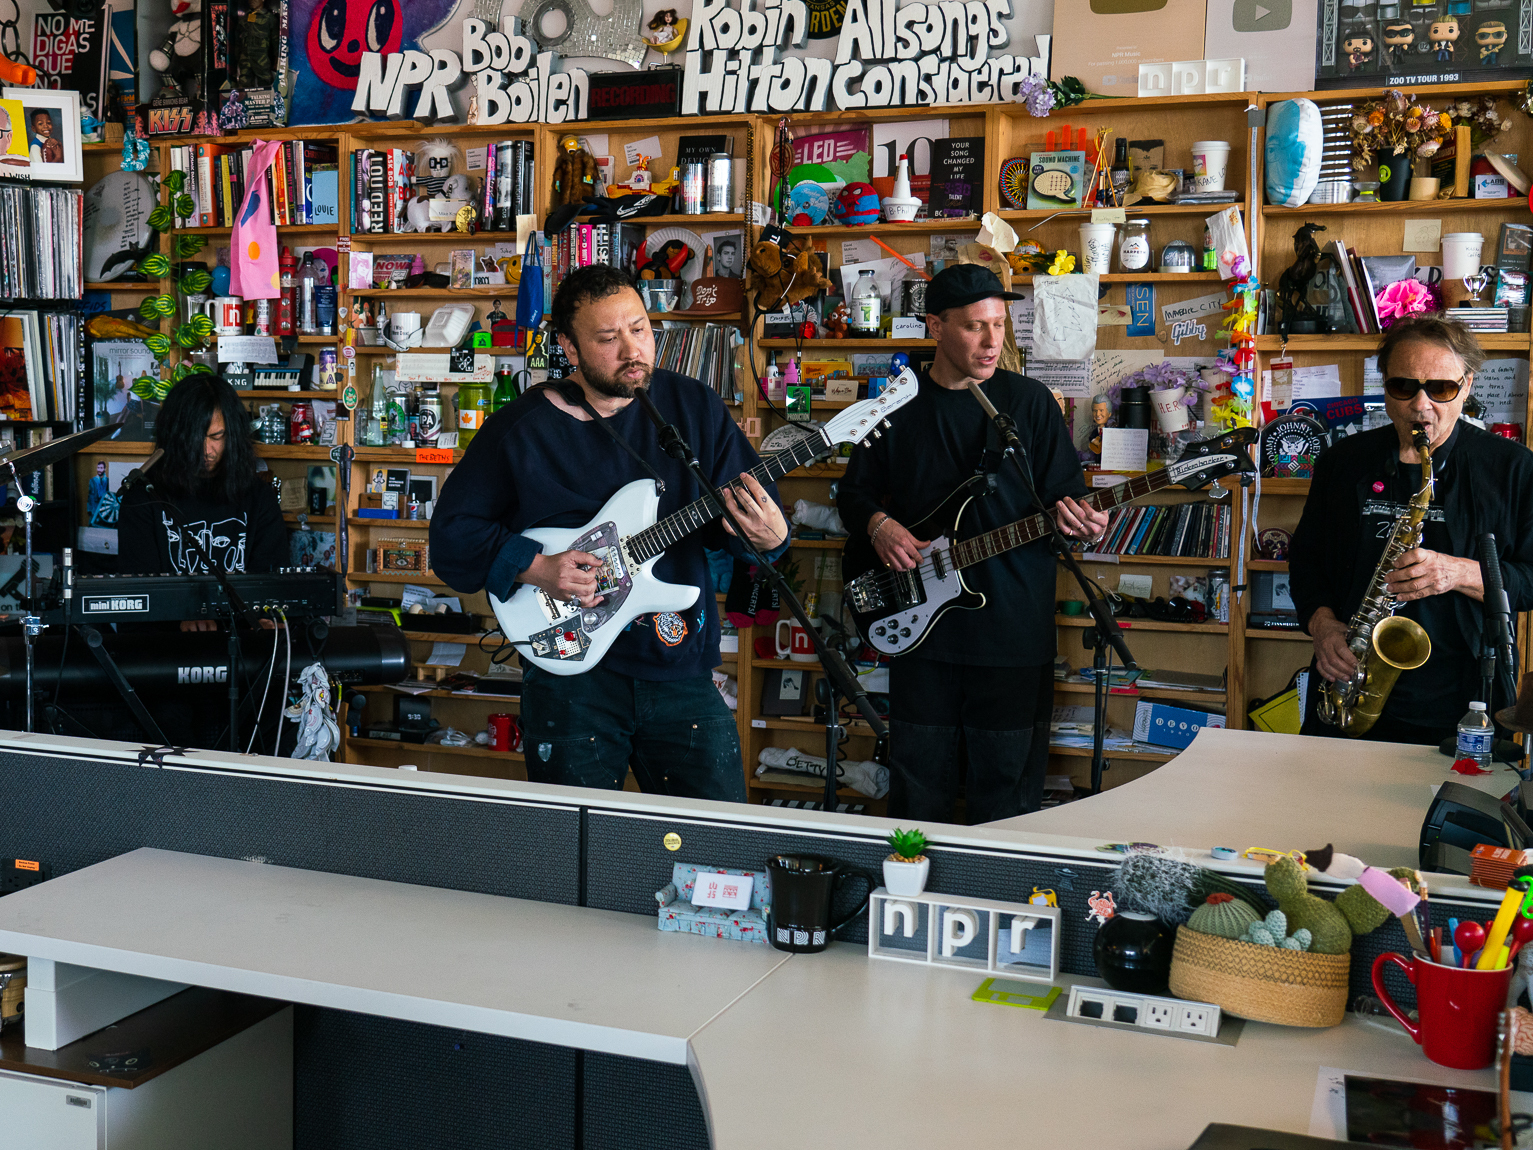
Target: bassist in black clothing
x,y
973,702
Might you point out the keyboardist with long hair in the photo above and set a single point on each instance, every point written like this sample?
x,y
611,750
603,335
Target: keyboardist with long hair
x,y
206,485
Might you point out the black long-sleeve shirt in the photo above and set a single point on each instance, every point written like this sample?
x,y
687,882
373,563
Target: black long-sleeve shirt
x,y
535,465
249,535
936,442
1484,483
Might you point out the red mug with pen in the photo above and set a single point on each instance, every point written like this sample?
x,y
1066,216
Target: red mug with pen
x,y
1458,1008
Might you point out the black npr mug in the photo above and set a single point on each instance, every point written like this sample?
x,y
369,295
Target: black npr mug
x,y
802,889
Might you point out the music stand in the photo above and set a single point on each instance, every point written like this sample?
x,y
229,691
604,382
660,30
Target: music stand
x,y
12,468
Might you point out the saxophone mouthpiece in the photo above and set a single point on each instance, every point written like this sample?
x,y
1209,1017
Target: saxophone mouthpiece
x,y
1418,435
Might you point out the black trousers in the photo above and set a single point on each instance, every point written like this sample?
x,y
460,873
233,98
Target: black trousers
x,y
1388,729
984,727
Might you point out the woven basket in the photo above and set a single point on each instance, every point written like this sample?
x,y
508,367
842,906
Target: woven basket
x,y
1262,983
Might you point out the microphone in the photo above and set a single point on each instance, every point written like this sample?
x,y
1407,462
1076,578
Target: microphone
x,y
1003,423
670,439
1498,609
140,474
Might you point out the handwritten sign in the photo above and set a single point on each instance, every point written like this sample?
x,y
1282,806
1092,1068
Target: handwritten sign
x,y
433,455
715,888
1192,309
1502,385
1065,325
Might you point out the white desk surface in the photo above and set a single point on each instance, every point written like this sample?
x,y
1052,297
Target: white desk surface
x,y
1250,788
875,1054
593,979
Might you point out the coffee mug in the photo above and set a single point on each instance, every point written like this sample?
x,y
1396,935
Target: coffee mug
x,y
227,314
1458,1009
803,888
798,648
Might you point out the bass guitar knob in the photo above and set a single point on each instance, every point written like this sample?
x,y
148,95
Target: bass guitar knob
x,y
905,632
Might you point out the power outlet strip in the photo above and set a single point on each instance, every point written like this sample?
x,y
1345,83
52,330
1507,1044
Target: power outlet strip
x,y
1175,1016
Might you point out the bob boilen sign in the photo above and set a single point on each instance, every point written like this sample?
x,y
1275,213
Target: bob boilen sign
x,y
886,56
947,52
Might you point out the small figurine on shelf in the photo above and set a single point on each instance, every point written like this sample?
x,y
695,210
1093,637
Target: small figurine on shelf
x,y
434,162
856,205
1444,37
1101,416
666,31
642,179
495,314
838,321
1358,46
255,41
574,173
178,59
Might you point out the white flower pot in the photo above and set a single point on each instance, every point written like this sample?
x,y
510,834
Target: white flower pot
x,y
1170,410
906,878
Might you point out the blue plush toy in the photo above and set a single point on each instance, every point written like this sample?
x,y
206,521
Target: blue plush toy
x,y
808,205
857,205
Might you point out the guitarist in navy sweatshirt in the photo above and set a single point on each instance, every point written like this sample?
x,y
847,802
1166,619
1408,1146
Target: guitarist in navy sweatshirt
x,y
545,461
972,702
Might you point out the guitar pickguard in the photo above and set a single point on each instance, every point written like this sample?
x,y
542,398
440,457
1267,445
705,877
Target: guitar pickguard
x,y
570,630
904,604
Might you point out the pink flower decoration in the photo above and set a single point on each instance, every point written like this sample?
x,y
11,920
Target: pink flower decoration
x,y
1400,299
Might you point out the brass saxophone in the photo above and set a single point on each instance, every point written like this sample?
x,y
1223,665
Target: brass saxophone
x,y
1384,644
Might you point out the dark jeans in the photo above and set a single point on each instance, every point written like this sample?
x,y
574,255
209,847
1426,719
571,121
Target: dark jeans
x,y
987,727
587,730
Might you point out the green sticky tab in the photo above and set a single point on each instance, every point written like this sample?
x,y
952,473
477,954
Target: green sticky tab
x,y
1002,995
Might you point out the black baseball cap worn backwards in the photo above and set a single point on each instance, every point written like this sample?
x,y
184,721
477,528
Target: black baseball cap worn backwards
x,y
963,284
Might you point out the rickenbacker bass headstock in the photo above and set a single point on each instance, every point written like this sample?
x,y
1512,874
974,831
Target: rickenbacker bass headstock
x,y
1209,460
862,419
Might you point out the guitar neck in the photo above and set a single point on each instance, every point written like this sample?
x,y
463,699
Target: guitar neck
x,y
645,545
1024,531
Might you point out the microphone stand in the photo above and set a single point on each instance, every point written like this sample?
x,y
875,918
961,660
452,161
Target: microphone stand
x,y
1496,652
1105,631
237,609
838,675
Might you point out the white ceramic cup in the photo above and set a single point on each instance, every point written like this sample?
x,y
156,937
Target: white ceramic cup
x,y
1461,254
1096,247
227,314
1209,160
798,648
1170,412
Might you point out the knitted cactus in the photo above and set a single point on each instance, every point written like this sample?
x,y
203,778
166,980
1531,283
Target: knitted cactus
x,y
1363,912
1273,931
1222,915
1329,930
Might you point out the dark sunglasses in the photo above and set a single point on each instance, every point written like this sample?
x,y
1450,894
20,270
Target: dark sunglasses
x,y
1438,390
428,279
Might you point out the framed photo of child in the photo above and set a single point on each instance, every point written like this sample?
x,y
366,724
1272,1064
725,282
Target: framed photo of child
x,y
50,129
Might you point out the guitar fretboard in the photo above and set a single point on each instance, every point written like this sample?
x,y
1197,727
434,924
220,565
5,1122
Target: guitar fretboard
x,y
1024,531
646,544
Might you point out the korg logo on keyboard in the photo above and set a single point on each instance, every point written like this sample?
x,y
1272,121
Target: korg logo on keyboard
x,y
202,674
116,605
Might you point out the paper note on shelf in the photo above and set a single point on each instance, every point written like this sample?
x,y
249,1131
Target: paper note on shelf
x,y
247,349
1022,316
859,251
1373,379
1318,382
1502,386
715,888
1125,448
446,654
649,146
1065,323
1072,379
1422,236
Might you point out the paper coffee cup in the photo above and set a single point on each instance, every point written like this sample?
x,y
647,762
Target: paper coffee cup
x,y
1096,247
1170,412
1209,160
1461,254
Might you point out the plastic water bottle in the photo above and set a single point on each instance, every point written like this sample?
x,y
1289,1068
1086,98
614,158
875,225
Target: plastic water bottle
x,y
1476,735
867,305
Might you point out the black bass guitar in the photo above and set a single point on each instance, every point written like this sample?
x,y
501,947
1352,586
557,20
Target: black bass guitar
x,y
896,610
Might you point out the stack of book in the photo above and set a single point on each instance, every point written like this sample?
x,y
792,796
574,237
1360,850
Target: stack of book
x,y
303,183
1479,318
580,245
703,351
1186,530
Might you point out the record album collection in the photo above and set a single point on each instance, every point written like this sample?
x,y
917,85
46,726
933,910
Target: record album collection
x,y
40,242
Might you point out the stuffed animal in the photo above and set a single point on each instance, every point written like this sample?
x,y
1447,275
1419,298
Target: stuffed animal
x,y
1332,925
574,173
667,261
783,276
839,321
856,205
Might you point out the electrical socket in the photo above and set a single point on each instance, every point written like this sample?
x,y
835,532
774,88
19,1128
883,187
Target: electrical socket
x,y
1158,1014
1196,1020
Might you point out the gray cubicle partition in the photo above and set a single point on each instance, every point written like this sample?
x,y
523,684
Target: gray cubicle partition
x,y
380,1084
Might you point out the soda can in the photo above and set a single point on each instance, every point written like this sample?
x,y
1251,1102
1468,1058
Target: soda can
x,y
721,182
693,181
263,317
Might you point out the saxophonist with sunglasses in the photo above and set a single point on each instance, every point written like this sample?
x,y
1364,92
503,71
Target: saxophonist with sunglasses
x,y
1364,485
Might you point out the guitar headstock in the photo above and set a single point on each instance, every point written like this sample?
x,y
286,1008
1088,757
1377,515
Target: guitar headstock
x,y
860,420
1211,459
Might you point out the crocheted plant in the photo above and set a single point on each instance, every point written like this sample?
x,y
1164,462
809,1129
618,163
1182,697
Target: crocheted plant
x,y
1332,925
1273,931
1224,916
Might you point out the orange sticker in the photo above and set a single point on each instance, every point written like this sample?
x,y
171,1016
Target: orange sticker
x,y
433,455
28,864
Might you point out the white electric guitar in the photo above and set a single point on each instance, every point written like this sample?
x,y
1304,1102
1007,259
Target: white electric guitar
x,y
564,638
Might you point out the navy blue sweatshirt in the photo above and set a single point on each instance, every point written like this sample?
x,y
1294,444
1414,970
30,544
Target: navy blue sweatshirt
x,y
533,465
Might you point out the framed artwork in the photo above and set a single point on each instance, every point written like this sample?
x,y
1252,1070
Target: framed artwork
x,y
50,130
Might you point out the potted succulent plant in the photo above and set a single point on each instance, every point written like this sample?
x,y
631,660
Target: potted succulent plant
x,y
905,870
